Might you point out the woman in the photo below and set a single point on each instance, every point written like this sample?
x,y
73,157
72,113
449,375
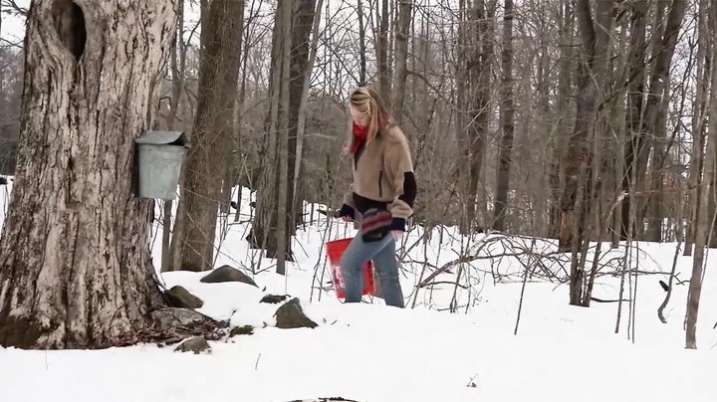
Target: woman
x,y
382,192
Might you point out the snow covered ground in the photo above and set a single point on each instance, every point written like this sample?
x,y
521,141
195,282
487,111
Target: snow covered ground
x,y
374,353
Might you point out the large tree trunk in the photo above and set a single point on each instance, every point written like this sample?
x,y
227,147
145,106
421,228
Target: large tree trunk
x,y
76,266
205,172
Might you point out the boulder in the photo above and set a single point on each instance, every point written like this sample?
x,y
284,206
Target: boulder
x,y
243,330
291,315
181,298
195,344
226,273
168,318
273,299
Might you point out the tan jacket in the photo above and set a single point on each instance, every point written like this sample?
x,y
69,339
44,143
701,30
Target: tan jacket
x,y
383,176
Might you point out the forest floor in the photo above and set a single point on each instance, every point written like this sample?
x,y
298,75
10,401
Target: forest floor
x,y
373,353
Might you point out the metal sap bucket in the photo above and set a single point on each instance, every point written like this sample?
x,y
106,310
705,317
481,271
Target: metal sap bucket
x,y
161,154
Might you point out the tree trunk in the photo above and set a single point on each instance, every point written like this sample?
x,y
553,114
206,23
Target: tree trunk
x,y
267,230
205,172
461,76
177,84
76,263
384,70
302,24
639,146
283,235
507,121
578,199
703,220
362,40
563,102
592,79
306,71
400,59
703,74
480,79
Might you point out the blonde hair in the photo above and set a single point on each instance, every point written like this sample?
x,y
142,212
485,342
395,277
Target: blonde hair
x,y
368,102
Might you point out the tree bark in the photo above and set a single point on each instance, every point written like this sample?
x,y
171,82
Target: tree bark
x,y
76,267
205,172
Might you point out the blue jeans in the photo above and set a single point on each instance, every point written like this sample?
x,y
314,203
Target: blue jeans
x,y
383,254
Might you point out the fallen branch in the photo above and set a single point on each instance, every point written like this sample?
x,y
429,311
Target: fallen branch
x,y
595,299
660,310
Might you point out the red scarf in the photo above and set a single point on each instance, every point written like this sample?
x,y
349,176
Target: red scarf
x,y
360,135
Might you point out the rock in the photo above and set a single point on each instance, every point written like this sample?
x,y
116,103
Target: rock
x,y
291,315
180,297
196,344
172,317
273,299
243,330
226,273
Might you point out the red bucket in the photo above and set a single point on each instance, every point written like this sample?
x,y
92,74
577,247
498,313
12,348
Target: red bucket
x,y
334,250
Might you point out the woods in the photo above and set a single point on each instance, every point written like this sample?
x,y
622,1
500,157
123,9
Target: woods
x,y
588,123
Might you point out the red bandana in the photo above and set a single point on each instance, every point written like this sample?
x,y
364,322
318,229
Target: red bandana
x,y
360,135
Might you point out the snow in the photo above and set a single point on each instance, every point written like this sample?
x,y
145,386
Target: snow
x,y
374,353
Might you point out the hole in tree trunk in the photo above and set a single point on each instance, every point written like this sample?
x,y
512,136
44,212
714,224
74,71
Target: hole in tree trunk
x,y
70,25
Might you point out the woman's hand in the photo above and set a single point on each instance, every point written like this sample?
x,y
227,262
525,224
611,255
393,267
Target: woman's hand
x,y
397,234
347,218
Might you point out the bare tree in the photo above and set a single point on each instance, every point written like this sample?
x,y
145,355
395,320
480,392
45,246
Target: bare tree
x,y
507,120
702,218
269,231
177,73
218,76
595,35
